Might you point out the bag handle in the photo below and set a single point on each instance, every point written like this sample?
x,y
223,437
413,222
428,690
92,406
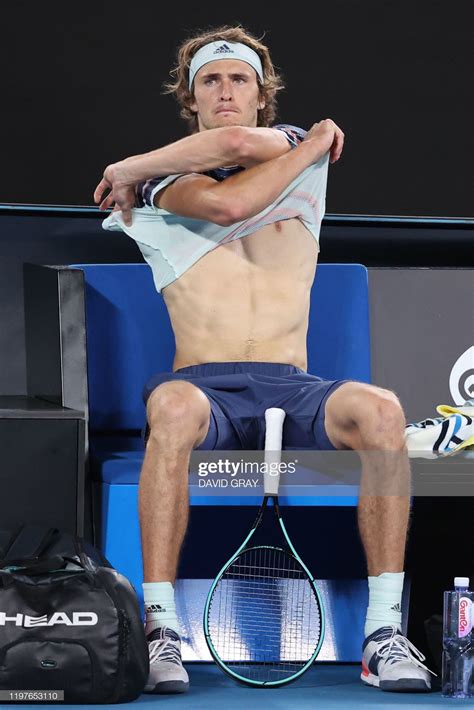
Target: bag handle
x,y
32,567
27,548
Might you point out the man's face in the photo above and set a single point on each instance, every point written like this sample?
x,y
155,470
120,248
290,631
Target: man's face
x,y
226,94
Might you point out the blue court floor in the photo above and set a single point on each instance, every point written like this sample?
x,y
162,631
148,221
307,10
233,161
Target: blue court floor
x,y
325,686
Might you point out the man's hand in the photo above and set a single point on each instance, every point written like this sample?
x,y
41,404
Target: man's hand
x,y
122,191
328,135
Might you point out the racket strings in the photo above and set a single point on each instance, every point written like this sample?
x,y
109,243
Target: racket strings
x,y
264,616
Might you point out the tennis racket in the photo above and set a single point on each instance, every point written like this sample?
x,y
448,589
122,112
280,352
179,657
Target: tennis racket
x,y
264,619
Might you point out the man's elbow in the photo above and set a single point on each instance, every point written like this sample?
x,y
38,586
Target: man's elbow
x,y
231,214
225,208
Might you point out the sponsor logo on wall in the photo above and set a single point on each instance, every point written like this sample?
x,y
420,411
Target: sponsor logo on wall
x,y
461,379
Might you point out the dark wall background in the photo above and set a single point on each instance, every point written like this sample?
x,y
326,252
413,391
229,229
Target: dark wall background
x,y
81,88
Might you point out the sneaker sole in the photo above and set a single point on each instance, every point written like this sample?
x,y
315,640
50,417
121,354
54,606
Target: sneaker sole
x,y
408,685
169,686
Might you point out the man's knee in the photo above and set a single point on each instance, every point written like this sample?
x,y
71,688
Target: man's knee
x,y
388,412
365,415
178,406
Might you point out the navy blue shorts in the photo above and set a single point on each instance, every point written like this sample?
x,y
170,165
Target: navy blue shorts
x,y
240,392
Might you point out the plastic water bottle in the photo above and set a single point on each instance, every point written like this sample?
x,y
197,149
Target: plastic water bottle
x,y
458,641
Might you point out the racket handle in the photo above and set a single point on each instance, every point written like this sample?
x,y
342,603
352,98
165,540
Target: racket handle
x,y
274,418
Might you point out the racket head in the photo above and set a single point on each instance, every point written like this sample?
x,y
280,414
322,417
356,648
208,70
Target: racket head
x,y
264,620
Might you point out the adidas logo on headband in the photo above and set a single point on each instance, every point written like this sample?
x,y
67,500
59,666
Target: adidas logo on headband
x,y
216,51
224,49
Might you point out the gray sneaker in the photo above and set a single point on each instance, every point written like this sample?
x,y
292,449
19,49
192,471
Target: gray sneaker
x,y
391,662
167,674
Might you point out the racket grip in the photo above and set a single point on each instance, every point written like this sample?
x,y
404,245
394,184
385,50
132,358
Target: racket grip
x,y
274,418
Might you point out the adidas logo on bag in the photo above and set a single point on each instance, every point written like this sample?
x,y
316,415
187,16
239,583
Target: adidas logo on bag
x,y
154,609
224,49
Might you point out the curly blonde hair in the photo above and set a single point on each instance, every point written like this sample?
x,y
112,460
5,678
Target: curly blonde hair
x,y
272,82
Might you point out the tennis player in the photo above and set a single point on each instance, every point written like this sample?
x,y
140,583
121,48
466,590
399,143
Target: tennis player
x,y
228,219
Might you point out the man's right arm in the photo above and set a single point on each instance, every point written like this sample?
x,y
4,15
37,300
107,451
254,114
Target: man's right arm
x,y
207,150
248,192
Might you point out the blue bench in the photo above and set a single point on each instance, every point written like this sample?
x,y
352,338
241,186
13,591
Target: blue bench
x,y
129,339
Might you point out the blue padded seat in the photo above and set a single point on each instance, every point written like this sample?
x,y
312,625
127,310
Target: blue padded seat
x,y
129,339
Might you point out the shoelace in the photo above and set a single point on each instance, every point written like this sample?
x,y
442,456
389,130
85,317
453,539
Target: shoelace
x,y
165,650
399,648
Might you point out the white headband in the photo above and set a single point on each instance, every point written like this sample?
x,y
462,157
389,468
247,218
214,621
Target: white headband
x,y
224,50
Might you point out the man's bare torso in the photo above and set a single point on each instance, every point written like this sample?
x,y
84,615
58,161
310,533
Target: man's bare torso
x,y
247,300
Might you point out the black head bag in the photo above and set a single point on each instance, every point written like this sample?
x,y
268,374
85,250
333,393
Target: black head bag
x,y
68,620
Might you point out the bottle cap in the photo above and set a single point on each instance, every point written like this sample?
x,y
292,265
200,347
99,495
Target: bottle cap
x,y
461,581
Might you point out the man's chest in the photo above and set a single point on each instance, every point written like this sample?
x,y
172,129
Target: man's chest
x,y
285,246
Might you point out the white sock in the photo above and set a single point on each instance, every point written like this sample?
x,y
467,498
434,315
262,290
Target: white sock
x,y
385,601
160,608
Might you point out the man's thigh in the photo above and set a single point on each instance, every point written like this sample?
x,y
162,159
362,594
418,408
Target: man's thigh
x,y
305,406
232,425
